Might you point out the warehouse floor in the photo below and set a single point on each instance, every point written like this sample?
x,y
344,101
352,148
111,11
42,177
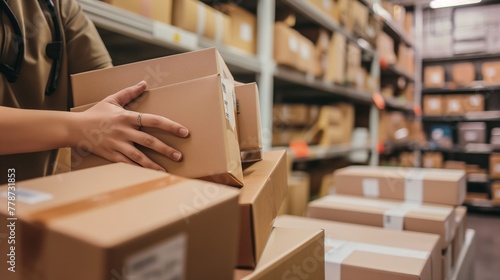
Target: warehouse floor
x,y
487,245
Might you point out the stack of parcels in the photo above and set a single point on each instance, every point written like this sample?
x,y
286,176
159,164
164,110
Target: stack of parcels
x,y
195,89
397,199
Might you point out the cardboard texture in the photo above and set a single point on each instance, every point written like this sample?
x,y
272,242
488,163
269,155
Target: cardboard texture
x,y
434,77
295,114
473,103
491,73
197,17
432,160
446,260
389,214
299,188
495,192
160,10
291,253
363,252
385,48
243,28
454,105
336,66
211,152
416,184
463,74
329,7
358,18
457,165
260,200
393,127
249,128
495,165
335,124
292,49
471,132
96,217
460,228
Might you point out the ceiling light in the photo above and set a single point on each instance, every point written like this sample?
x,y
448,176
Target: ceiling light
x,y
435,4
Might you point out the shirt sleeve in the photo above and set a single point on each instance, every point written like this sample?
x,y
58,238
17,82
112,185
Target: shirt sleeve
x,y
84,47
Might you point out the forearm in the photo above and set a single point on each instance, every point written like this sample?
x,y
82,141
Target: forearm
x,y
34,130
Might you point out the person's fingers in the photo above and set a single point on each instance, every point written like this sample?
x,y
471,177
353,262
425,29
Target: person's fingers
x,y
155,121
137,156
126,95
154,143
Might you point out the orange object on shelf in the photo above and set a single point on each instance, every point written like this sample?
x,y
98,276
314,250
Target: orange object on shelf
x,y
300,148
379,101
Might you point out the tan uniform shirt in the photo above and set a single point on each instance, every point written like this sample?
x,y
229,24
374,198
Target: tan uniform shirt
x,y
83,50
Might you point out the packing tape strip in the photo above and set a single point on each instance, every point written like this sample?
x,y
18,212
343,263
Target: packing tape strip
x,y
200,25
414,185
336,251
219,27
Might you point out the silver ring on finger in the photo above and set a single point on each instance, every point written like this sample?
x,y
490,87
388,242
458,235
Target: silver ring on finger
x,y
139,119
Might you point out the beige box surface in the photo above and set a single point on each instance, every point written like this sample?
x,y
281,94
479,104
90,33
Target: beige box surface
x,y
329,7
434,77
495,165
286,45
336,65
249,128
447,259
495,192
243,28
389,214
473,103
432,160
160,10
463,74
286,249
433,105
385,47
457,165
197,17
491,72
119,219
260,200
363,252
460,228
416,184
211,152
454,105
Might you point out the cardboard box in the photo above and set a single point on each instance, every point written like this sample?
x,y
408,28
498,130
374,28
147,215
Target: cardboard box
x,y
363,252
120,220
393,127
295,114
249,128
389,214
415,184
335,71
460,228
175,80
433,105
454,105
197,17
243,28
160,10
463,74
432,160
495,165
283,137
385,48
495,138
358,18
456,165
335,124
495,192
408,24
491,73
293,50
471,132
299,188
260,199
447,259
290,253
329,7
434,76
473,103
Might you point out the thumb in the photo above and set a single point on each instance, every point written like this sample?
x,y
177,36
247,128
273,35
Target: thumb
x,y
124,96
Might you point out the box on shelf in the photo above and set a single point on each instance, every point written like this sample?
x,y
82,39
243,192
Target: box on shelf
x,y
321,39
408,24
434,76
454,105
299,186
406,60
495,192
202,82
460,228
416,184
358,18
363,252
495,137
335,124
283,136
336,66
491,72
295,114
433,105
249,128
393,127
99,214
197,17
329,7
385,49
463,74
432,160
471,132
473,103
287,248
389,214
160,10
243,28
495,165
455,165
407,159
260,199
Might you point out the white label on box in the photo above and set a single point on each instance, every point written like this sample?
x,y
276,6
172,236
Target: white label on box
x,y
470,136
435,78
370,187
305,52
496,168
453,105
165,260
200,25
490,72
475,100
434,104
293,44
246,32
414,190
327,4
394,218
28,196
229,101
497,194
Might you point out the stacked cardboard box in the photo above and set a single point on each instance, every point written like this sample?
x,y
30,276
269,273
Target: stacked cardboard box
x,y
393,127
434,76
336,65
385,49
463,74
432,160
495,192
452,104
243,28
160,10
433,105
491,73
328,7
406,60
471,132
495,165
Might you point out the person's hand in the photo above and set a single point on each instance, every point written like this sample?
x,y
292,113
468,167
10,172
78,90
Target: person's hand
x,y
117,130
